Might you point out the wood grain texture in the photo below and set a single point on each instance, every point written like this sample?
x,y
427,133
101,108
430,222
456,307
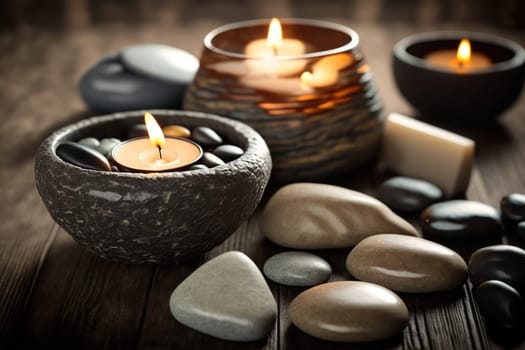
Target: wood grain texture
x,y
52,292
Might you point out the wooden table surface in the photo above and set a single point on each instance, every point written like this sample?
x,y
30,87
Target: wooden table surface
x,y
54,293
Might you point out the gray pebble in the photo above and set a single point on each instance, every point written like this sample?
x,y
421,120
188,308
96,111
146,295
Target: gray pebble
x,y
90,142
211,160
297,269
198,167
227,298
109,86
107,145
161,62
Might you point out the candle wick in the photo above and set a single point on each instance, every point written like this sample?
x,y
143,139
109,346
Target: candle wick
x,y
274,50
160,151
460,64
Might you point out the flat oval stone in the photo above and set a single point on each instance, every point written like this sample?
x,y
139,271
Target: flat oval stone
x,y
297,269
460,219
513,207
107,145
349,311
406,194
228,298
82,156
500,304
176,131
211,160
498,262
109,86
319,216
90,142
406,264
138,130
205,136
161,62
228,152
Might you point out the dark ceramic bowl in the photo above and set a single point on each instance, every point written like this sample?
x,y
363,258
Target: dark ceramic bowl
x,y
471,98
159,217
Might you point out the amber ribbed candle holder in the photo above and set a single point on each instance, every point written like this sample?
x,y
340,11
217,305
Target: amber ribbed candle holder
x,y
312,98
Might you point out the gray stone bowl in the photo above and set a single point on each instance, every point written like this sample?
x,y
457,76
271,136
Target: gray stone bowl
x,y
157,217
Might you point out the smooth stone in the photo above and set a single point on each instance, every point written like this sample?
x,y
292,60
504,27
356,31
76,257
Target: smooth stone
x,y
211,160
500,304
107,145
176,131
90,142
300,269
406,264
461,219
498,262
228,152
115,168
349,311
513,207
82,156
198,167
228,298
408,194
109,86
320,216
138,130
205,136
161,62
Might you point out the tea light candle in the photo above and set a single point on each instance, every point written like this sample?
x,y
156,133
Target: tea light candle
x,y
462,60
156,153
266,55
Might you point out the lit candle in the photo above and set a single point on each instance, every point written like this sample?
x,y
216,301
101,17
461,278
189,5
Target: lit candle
x,y
266,55
156,153
462,60
325,72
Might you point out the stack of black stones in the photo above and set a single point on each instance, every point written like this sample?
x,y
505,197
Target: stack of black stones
x,y
92,153
497,271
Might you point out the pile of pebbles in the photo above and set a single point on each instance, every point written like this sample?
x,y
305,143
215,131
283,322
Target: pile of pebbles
x,y
495,271
92,153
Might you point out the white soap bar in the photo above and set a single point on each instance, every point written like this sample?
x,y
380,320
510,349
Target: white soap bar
x,y
416,149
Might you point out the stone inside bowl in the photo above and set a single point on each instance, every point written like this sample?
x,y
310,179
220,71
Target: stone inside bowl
x,y
472,98
159,217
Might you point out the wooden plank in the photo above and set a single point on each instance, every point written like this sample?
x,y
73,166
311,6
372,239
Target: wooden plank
x,y
84,302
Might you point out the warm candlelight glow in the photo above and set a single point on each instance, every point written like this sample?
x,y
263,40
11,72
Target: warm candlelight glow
x,y
155,134
463,54
275,35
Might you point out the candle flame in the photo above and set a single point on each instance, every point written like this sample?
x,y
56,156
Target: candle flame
x,y
275,35
463,54
156,137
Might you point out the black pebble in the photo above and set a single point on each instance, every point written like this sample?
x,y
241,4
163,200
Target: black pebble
x,y
228,152
206,137
500,304
82,156
197,167
460,220
211,160
513,207
406,194
501,262
520,231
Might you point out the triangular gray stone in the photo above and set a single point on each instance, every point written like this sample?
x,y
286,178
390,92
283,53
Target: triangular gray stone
x,y
228,298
